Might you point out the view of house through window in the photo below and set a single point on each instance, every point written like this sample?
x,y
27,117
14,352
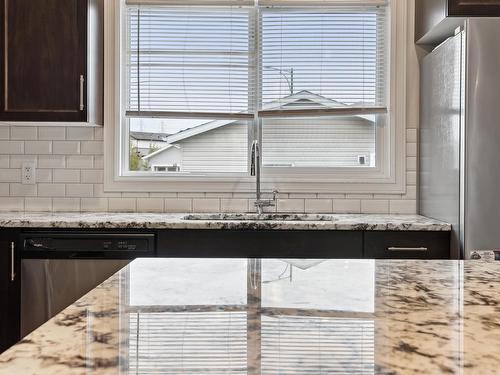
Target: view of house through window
x,y
202,83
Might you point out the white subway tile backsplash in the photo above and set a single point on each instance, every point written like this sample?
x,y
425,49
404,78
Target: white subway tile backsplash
x,y
66,147
191,195
38,204
4,189
359,196
43,175
67,175
411,163
93,148
16,161
403,206
375,206
411,149
99,133
66,204
11,147
175,205
10,175
80,161
70,167
23,133
122,204
80,190
150,204
411,135
411,178
206,205
100,193
331,196
4,132
38,147
20,190
51,190
318,206
51,133
290,205
99,162
233,205
4,161
11,204
79,134
411,193
92,176
347,206
51,161
135,195
163,195
94,204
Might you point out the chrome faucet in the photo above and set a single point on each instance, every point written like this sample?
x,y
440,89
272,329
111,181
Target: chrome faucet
x,y
261,203
255,171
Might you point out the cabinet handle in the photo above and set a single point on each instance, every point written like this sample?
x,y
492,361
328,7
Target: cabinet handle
x,y
394,248
82,82
12,262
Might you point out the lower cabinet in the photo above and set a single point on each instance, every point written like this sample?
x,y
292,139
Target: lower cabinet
x,y
407,245
260,243
10,289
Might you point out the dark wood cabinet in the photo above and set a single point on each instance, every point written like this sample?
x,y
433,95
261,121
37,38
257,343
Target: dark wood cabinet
x,y
10,289
474,8
44,60
407,245
437,19
260,244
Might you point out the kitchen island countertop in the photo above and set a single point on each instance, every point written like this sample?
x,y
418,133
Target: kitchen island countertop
x,y
270,316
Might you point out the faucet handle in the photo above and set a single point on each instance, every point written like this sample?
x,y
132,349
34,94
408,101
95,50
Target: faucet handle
x,y
275,193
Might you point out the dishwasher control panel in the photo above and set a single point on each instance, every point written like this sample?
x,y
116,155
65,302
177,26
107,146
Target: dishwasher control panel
x,y
89,244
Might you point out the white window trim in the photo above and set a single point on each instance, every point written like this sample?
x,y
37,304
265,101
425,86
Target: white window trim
x,y
392,180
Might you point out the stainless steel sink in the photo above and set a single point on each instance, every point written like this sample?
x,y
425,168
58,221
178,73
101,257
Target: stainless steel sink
x,y
261,217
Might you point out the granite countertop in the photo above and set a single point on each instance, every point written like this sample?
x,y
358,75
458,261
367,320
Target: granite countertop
x,y
222,221
270,316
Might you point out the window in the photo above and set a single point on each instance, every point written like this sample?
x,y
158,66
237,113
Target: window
x,y
311,81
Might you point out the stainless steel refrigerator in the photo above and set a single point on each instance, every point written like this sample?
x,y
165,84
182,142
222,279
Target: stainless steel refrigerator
x,y
460,136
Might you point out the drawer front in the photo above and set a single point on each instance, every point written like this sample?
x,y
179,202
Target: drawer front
x,y
260,244
407,245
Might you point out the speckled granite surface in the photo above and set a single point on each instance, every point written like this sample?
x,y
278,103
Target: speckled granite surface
x,y
199,316
222,221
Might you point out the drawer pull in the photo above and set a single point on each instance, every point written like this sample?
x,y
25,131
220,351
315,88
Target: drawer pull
x,y
12,262
393,248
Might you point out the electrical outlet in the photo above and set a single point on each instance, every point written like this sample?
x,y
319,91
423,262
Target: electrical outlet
x,y
28,173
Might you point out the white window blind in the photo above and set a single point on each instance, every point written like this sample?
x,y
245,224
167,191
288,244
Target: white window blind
x,y
336,53
200,59
188,61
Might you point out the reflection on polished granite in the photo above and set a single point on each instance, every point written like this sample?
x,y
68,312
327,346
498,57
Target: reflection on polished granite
x,y
271,316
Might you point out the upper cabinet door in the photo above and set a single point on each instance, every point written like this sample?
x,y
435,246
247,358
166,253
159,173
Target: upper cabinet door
x,y
471,8
43,60
436,20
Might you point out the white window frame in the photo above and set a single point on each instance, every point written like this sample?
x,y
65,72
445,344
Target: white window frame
x,y
388,177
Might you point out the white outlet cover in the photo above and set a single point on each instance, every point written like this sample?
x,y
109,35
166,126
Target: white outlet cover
x,y
28,173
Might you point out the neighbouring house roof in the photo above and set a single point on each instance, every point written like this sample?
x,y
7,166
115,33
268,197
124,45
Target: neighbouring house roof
x,y
301,97
159,151
144,136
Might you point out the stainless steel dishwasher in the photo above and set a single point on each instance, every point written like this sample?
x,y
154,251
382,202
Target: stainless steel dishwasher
x,y
58,268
